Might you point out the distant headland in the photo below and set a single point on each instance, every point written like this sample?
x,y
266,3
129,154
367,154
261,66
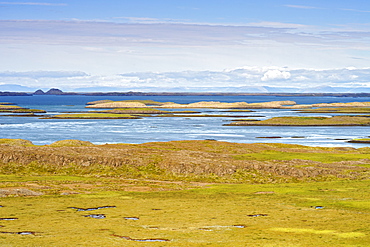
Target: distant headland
x,y
56,91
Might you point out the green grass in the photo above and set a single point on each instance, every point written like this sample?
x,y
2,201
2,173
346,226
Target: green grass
x,y
206,216
323,157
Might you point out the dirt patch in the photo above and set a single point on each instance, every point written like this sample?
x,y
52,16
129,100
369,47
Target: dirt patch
x,y
18,192
143,240
91,209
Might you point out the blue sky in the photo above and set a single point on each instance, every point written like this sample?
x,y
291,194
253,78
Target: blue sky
x,y
119,43
321,13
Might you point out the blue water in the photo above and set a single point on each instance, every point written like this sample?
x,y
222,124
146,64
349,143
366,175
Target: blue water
x,y
46,131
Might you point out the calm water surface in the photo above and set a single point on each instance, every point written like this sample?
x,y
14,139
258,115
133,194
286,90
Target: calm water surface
x,y
46,131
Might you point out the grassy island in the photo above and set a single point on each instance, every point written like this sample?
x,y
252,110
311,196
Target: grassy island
x,y
183,193
11,108
203,104
360,140
94,116
306,121
338,110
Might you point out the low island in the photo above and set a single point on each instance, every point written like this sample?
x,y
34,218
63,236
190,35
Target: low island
x,y
305,121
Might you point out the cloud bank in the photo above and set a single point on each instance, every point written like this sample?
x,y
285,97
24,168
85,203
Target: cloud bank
x,y
113,48
154,56
243,79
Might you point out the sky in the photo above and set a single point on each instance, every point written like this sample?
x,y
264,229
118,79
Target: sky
x,y
203,45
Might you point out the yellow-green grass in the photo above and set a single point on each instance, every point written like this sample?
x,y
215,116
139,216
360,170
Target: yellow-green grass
x,y
337,110
324,157
214,215
307,121
9,107
28,111
71,143
15,142
95,116
146,102
360,140
176,114
134,111
143,111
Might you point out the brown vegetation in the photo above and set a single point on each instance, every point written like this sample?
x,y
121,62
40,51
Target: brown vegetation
x,y
190,159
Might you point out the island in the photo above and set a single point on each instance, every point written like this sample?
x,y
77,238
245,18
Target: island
x,y
305,121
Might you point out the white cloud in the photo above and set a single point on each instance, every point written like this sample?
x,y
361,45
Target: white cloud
x,y
112,48
231,79
357,10
277,25
43,74
300,6
275,75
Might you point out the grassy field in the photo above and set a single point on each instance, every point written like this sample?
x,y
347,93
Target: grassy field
x,y
184,193
297,214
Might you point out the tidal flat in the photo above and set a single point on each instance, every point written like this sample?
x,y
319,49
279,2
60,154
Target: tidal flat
x,y
183,193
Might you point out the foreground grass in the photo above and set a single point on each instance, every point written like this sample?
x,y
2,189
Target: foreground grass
x,y
215,215
185,193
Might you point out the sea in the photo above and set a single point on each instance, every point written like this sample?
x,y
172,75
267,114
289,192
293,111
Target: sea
x,y
162,129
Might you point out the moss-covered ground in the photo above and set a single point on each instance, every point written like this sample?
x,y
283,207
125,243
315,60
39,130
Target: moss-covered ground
x,y
303,214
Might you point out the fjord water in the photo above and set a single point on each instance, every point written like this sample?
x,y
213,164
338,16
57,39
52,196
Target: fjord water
x,y
47,131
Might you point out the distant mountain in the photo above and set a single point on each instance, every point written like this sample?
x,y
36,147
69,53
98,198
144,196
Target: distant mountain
x,y
39,92
54,91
